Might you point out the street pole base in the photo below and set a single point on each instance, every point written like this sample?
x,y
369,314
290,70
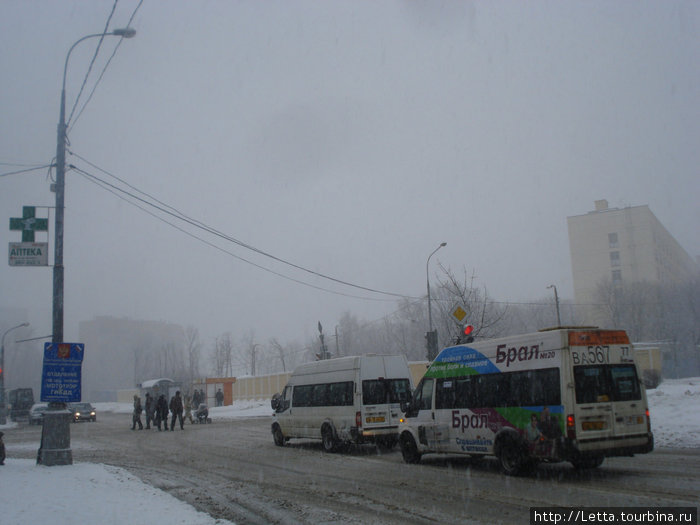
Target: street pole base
x,y
52,458
55,439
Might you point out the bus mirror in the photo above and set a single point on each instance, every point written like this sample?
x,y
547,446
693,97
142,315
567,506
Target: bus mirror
x,y
405,401
275,401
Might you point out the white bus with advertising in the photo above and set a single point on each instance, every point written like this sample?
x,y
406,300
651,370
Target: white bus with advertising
x,y
566,394
344,400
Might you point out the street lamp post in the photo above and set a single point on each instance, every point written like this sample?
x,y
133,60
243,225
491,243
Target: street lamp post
x,y
55,432
431,339
3,402
252,355
60,191
556,300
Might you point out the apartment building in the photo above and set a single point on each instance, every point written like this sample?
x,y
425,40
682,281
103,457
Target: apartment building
x,y
623,245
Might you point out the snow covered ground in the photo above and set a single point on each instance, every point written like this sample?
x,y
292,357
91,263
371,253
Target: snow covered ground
x,y
94,493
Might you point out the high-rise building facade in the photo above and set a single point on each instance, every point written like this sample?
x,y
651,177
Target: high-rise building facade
x,y
623,245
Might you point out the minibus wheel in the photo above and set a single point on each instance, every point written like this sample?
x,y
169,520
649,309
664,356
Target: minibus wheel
x,y
278,436
409,449
330,443
511,457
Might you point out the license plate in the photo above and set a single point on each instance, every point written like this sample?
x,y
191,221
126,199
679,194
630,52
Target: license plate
x,y
593,425
634,420
375,419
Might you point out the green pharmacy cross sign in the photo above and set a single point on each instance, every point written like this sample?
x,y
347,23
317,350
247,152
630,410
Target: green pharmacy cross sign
x,y
29,224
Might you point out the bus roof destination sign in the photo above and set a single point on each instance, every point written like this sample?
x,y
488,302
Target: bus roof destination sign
x,y
61,376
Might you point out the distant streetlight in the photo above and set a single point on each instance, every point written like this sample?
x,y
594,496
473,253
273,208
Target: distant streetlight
x,y
252,355
556,300
3,403
431,340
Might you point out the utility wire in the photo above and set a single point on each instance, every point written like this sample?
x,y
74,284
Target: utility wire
x,y
25,170
104,69
179,215
118,191
92,62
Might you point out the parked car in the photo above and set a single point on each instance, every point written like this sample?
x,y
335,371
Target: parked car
x,y
36,413
82,412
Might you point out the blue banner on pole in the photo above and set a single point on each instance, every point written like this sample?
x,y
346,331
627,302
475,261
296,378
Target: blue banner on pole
x,y
61,376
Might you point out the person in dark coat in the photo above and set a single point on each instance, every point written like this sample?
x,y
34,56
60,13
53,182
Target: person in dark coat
x,y
161,412
136,416
195,398
150,410
2,450
176,410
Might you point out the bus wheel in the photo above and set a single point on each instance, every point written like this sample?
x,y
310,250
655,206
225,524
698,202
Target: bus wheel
x,y
330,443
586,463
278,436
409,449
511,457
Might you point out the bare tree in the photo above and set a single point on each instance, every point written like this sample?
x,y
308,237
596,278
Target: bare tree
x,y
192,350
221,357
487,317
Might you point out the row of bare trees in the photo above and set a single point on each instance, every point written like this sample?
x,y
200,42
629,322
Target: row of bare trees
x,y
649,312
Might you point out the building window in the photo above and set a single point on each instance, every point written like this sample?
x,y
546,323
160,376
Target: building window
x,y
614,258
617,276
612,240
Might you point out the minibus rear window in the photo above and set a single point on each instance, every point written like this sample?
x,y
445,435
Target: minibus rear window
x,y
606,383
382,391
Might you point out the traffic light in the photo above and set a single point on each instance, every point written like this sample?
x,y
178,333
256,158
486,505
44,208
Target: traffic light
x,y
467,334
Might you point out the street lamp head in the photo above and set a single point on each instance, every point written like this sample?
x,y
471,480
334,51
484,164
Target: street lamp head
x,y
24,324
443,244
126,32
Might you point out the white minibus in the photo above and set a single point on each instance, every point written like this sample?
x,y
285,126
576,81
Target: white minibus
x,y
344,400
563,394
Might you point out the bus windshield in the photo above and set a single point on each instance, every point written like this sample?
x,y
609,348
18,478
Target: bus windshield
x,y
606,383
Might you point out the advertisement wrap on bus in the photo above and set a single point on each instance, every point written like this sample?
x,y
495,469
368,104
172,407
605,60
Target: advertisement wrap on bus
x,y
560,395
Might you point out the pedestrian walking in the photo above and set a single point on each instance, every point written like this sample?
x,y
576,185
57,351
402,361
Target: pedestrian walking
x,y
136,416
176,411
2,449
150,410
195,398
161,412
219,398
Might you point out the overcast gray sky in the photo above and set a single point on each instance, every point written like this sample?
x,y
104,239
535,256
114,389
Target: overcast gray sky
x,y
349,138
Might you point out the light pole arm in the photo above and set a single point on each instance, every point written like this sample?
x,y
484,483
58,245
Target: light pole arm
x,y
427,280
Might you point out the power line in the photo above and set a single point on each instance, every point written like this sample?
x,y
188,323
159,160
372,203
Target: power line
x,y
104,69
179,215
27,170
115,191
92,62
